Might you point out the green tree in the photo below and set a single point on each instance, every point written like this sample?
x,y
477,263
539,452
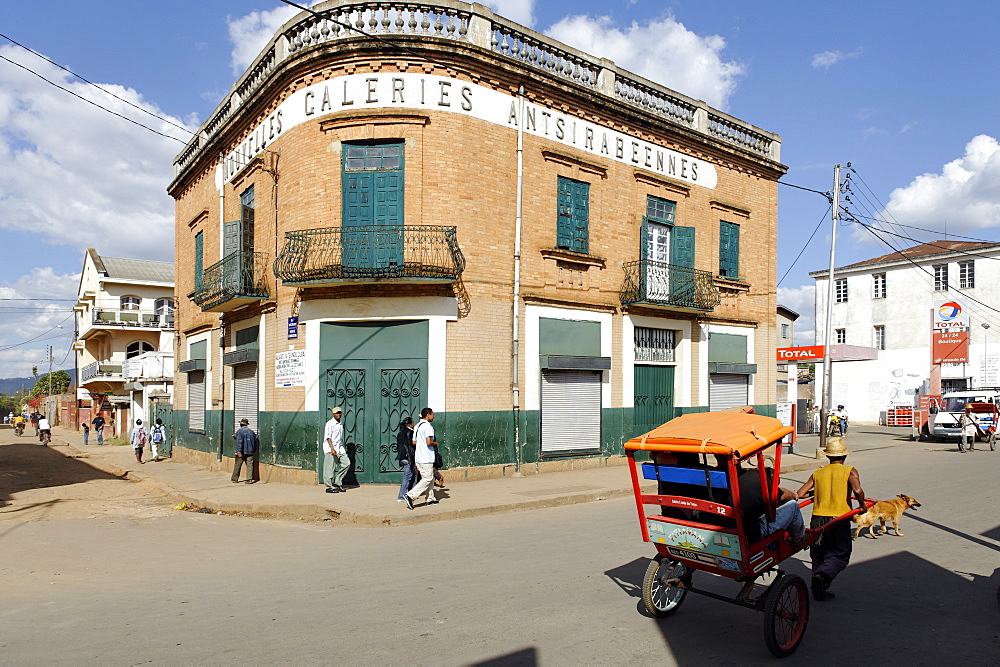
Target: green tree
x,y
60,383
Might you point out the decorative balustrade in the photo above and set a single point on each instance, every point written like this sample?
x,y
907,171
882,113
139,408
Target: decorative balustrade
x,y
379,18
455,21
655,100
235,280
542,53
665,284
734,132
101,370
375,253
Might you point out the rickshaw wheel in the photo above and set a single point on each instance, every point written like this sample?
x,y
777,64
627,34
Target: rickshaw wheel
x,y
660,599
786,614
993,442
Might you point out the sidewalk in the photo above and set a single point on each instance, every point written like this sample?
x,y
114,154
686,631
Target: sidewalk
x,y
369,504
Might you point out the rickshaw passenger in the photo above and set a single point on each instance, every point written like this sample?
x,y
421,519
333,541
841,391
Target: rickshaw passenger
x,y
787,517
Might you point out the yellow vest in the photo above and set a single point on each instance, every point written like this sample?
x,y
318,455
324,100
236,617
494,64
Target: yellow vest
x,y
830,498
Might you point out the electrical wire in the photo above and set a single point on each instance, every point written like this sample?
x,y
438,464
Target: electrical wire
x,y
799,187
78,96
100,88
806,245
31,340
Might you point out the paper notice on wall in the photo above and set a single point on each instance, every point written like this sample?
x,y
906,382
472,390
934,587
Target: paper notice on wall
x,y
290,369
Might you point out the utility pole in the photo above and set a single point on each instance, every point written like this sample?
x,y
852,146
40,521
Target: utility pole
x,y
824,413
48,401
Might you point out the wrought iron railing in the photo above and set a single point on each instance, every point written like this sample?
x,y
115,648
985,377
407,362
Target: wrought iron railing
x,y
389,252
100,369
665,284
239,275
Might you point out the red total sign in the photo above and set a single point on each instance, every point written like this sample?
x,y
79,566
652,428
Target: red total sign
x,y
805,353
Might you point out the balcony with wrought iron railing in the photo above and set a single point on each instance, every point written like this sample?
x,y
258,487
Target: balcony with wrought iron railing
x,y
388,253
104,371
659,284
236,280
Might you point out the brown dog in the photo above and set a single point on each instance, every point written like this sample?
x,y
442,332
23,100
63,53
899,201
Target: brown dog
x,y
882,511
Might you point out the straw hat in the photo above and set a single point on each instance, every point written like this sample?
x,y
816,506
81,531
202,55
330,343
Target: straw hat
x,y
836,447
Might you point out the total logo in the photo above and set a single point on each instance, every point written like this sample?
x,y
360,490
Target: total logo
x,y
949,312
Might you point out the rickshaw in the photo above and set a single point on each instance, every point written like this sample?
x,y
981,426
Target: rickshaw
x,y
986,415
704,530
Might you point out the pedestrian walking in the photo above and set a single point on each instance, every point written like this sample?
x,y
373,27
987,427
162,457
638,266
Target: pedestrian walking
x,y
157,436
98,423
86,432
404,455
138,439
336,462
969,425
247,451
34,422
833,484
423,438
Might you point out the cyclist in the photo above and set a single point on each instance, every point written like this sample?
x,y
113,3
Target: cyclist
x,y
44,430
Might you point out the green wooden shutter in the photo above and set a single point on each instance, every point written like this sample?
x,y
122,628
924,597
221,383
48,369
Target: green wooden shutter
x,y
682,247
729,249
572,227
199,258
682,283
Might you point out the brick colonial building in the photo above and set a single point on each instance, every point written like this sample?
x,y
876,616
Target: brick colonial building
x,y
553,253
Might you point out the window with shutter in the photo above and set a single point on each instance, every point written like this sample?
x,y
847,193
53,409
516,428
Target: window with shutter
x,y
199,258
729,249
573,208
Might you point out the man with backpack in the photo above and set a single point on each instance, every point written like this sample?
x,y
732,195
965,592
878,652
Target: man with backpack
x,y
157,437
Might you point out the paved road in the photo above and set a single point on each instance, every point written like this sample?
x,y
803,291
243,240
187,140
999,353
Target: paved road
x,y
555,586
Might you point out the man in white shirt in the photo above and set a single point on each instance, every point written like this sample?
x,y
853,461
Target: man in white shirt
x,y
43,429
423,438
841,414
336,462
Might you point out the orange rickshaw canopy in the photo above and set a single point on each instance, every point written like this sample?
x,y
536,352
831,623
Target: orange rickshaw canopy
x,y
726,433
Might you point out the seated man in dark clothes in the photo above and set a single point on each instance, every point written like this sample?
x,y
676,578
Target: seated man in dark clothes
x,y
788,515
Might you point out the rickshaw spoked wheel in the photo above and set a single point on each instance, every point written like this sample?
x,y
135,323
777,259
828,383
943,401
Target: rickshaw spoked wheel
x,y
663,599
786,613
993,441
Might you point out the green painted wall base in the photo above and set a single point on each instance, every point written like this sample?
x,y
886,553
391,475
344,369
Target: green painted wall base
x,y
468,439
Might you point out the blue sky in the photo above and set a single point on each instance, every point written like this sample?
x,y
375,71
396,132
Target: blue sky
x,y
907,96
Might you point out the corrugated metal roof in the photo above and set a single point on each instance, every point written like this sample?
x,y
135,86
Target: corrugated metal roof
x,y
138,269
915,253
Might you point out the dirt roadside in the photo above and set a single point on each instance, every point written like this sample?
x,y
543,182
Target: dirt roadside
x,y
54,483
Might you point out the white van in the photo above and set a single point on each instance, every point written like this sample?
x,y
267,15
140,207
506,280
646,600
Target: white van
x,y
942,422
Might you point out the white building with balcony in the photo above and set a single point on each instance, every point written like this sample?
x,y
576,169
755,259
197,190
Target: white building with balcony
x,y
125,340
894,303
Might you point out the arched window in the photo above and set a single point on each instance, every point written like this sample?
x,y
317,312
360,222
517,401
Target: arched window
x,y
130,303
137,348
164,307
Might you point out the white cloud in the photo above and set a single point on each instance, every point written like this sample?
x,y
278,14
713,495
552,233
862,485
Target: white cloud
x,y
662,50
31,326
828,58
77,176
803,301
964,196
519,11
249,34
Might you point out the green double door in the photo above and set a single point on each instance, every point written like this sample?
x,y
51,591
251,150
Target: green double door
x,y
377,373
653,397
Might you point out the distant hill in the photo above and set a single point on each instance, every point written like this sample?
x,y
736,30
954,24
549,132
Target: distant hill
x,y
12,385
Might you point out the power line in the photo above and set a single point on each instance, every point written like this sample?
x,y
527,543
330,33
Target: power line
x,y
78,96
797,187
806,245
100,88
